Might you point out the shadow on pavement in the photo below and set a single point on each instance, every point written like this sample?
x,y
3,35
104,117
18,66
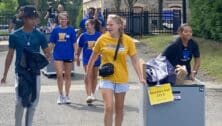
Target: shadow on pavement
x,y
75,76
95,107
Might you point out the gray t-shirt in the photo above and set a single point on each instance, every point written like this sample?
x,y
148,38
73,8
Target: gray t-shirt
x,y
32,40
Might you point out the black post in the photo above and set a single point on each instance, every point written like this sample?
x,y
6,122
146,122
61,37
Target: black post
x,y
176,20
131,21
146,23
160,14
184,11
105,14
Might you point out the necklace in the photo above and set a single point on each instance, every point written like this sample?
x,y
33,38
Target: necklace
x,y
27,37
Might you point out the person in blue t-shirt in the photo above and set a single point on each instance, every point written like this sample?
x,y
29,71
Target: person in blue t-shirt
x,y
30,38
63,39
86,42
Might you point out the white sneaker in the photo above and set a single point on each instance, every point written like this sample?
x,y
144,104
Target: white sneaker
x,y
89,100
60,99
93,97
67,100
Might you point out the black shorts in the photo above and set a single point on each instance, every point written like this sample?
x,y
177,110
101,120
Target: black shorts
x,y
66,61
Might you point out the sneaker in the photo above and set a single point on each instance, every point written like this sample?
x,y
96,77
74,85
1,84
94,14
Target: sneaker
x,y
67,100
89,100
93,97
60,100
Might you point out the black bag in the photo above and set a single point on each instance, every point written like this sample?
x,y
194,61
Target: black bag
x,y
107,69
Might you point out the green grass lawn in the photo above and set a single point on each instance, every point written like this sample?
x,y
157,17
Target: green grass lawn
x,y
211,52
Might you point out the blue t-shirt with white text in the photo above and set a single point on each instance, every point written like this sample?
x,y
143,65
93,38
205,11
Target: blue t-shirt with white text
x,y
64,39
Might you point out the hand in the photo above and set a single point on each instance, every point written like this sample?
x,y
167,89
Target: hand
x,y
142,81
192,76
49,59
181,72
3,80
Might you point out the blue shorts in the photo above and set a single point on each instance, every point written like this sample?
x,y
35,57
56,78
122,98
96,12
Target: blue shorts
x,y
117,88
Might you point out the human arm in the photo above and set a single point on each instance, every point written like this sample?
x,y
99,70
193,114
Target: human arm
x,y
90,65
78,52
8,62
196,65
195,69
11,26
136,67
81,43
47,52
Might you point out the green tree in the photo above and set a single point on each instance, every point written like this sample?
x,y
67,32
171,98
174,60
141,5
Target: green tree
x,y
23,2
8,6
206,18
42,9
73,7
79,16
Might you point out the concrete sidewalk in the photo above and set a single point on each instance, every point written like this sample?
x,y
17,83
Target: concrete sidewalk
x,y
48,113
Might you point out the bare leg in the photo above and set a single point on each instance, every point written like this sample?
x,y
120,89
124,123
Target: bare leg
x,y
59,74
95,73
67,76
107,95
119,105
87,84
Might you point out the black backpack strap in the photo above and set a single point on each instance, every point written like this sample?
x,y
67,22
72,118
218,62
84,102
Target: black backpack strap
x,y
117,47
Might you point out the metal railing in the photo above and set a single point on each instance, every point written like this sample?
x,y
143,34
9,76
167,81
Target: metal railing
x,y
144,22
5,19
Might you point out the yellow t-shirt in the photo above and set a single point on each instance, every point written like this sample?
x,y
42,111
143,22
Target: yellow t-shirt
x,y
106,45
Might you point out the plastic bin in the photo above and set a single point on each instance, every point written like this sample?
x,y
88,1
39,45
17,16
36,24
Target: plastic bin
x,y
187,109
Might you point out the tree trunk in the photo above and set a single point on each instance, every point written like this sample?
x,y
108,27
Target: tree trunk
x,y
160,14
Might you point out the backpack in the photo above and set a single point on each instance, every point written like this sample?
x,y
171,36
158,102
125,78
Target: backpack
x,y
159,70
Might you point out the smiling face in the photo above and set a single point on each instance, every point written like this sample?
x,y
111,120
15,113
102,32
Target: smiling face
x,y
89,26
112,26
186,33
63,20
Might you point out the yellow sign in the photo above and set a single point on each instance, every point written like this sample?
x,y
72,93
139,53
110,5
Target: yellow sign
x,y
160,94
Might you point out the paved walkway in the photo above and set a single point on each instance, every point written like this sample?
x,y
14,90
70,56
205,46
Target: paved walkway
x,y
48,113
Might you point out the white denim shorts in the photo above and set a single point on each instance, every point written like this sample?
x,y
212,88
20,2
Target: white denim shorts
x,y
117,88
